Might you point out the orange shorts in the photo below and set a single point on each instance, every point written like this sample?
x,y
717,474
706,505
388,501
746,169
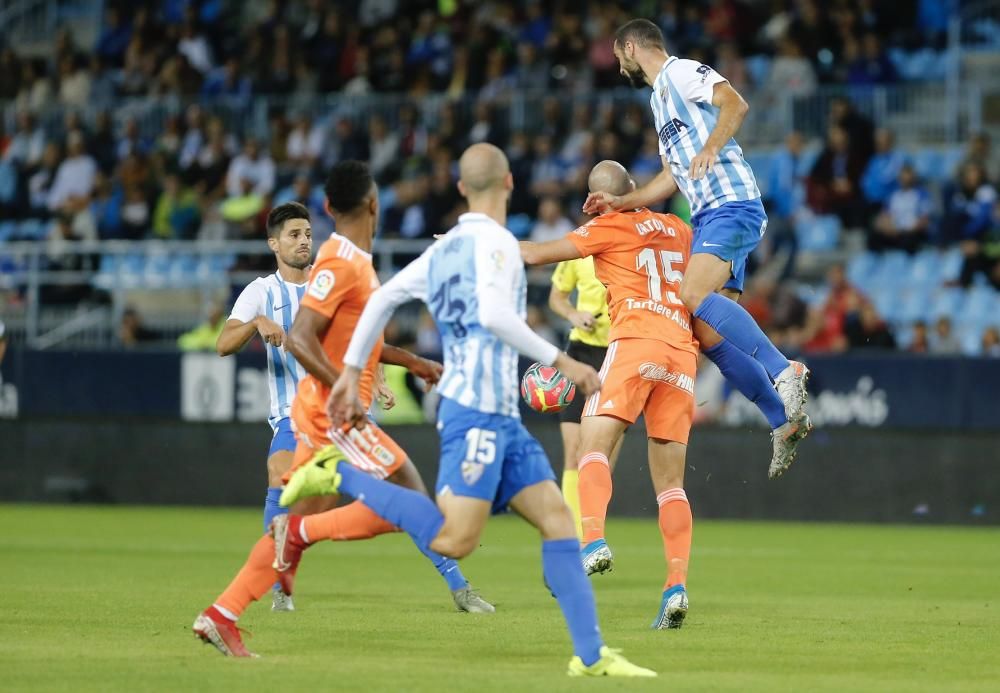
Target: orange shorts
x,y
370,449
649,377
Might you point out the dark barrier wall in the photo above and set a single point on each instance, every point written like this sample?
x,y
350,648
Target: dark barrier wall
x,y
895,391
847,474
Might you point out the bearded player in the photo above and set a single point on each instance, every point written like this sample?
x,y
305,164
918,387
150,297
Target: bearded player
x,y
697,113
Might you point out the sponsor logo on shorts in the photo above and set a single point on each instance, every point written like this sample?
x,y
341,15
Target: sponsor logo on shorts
x,y
321,284
652,371
382,455
608,405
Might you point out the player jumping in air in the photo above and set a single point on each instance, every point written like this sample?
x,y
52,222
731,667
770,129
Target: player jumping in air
x,y
267,306
588,343
473,282
341,281
697,112
640,256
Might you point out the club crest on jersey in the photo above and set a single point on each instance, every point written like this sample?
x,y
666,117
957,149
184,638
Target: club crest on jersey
x,y
498,259
670,130
321,285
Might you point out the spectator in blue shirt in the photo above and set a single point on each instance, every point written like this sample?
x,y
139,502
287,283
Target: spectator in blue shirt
x,y
786,195
882,172
968,208
905,220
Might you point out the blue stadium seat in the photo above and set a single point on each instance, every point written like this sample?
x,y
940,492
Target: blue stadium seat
x,y
912,303
980,302
758,67
761,163
861,267
818,234
32,230
520,225
928,165
924,268
951,265
946,301
8,229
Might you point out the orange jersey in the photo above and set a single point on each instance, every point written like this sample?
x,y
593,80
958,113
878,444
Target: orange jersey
x,y
640,256
341,281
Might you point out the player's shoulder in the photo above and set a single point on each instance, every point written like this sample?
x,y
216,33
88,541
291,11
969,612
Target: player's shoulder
x,y
338,251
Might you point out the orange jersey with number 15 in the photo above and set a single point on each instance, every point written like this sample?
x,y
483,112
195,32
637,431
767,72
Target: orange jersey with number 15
x,y
640,256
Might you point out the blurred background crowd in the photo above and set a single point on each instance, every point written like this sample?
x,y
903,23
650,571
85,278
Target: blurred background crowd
x,y
187,120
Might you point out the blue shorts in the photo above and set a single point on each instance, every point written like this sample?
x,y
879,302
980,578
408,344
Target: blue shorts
x,y
730,232
284,438
487,456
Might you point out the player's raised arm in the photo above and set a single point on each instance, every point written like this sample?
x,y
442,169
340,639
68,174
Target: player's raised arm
x,y
733,109
605,198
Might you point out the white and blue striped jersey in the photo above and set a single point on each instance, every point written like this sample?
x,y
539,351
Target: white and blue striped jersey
x,y
277,300
685,117
473,283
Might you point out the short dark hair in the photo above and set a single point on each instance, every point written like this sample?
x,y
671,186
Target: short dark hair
x,y
641,32
348,185
277,217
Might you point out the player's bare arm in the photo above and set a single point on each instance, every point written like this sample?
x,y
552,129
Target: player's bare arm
x,y
560,304
304,341
236,334
732,110
660,188
425,369
549,252
344,405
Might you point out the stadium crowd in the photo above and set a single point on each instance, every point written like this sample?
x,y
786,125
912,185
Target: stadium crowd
x,y
88,170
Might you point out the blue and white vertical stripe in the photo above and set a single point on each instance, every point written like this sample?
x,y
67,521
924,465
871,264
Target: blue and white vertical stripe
x,y
480,371
683,125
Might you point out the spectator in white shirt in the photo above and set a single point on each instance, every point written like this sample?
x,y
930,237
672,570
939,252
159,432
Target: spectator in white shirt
x,y
383,147
305,142
251,165
74,83
552,224
27,146
195,48
75,175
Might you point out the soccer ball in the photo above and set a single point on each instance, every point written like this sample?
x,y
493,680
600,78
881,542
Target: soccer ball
x,y
546,390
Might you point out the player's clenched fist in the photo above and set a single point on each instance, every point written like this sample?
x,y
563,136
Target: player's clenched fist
x,y
270,331
601,202
428,371
585,377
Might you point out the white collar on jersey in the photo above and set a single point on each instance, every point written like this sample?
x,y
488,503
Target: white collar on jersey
x,y
663,71
285,281
351,243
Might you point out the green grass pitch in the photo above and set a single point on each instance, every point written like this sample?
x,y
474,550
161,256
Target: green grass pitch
x,y
103,599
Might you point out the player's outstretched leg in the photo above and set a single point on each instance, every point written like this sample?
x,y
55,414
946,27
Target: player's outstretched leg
x,y
217,624
329,472
675,527
541,504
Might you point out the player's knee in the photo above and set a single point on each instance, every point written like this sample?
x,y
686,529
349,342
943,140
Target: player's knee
x,y
277,466
455,546
558,523
692,295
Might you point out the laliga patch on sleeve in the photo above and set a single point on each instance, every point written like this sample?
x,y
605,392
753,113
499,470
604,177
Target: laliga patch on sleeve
x,y
321,285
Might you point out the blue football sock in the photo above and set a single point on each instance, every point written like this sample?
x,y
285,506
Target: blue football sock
x,y
730,319
412,512
567,581
749,377
448,567
271,506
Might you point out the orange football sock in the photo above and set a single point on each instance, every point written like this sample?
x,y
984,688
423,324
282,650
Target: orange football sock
x,y
676,523
595,494
254,579
347,523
